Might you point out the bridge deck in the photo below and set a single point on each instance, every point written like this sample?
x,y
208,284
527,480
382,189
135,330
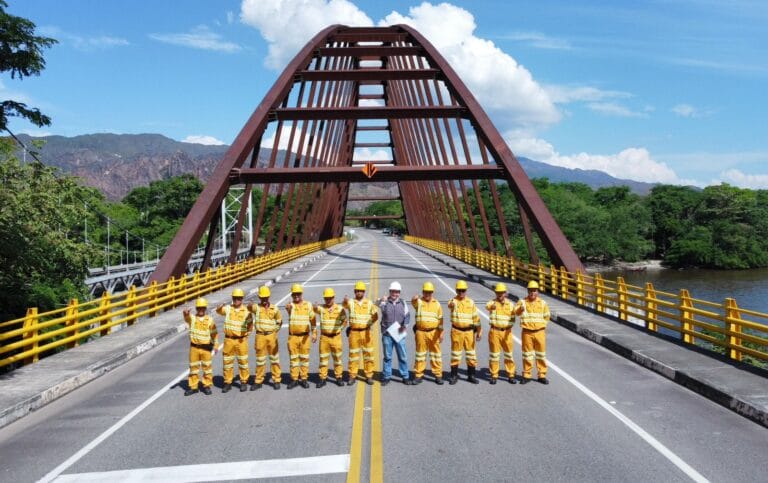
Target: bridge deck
x,y
602,418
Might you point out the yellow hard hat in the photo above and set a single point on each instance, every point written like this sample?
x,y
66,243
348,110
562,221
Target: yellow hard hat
x,y
360,286
428,287
461,285
264,291
533,284
201,303
297,288
500,287
328,293
238,292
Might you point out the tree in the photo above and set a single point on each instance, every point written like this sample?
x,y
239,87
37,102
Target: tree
x,y
21,54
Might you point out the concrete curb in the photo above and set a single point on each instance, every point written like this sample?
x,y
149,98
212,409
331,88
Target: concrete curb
x,y
694,382
102,367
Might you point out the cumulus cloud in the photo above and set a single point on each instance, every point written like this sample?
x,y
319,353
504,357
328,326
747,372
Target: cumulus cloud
x,y
288,26
738,178
200,37
202,139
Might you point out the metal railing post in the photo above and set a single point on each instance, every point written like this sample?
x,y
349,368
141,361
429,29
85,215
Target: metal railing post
x,y
732,322
30,324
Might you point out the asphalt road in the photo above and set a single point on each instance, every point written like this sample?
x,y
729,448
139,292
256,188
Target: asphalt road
x,y
602,418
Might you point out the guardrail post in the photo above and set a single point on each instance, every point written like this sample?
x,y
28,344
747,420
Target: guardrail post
x,y
686,317
181,290
733,321
599,292
579,288
170,289
72,319
153,298
541,275
104,307
650,307
513,268
30,324
130,300
553,282
564,283
621,288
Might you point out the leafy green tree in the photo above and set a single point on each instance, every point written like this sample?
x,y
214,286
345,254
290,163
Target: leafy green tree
x,y
21,54
673,214
44,257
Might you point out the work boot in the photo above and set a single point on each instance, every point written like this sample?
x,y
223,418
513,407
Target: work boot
x,y
255,386
471,375
207,391
454,376
339,382
512,380
292,384
384,382
416,381
493,381
243,387
543,380
276,385
439,381
320,384
369,381
226,388
304,384
189,392
525,380
351,381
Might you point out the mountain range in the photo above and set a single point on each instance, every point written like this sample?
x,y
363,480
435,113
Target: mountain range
x,y
117,163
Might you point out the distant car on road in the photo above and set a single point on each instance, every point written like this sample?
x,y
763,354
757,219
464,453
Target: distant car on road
x,y
386,231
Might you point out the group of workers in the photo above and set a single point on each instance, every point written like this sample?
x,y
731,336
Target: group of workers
x,y
356,318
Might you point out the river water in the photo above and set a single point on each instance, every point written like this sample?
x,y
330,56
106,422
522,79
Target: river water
x,y
748,287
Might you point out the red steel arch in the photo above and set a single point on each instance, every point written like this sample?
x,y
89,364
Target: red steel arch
x,y
383,88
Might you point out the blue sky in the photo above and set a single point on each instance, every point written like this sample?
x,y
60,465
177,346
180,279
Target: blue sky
x,y
670,91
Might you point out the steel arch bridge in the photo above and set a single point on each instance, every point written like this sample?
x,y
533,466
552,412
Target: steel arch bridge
x,y
369,87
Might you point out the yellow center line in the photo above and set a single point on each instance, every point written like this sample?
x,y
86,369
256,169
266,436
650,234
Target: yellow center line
x,y
377,459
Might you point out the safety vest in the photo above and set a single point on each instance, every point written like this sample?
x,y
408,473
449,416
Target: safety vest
x,y
300,317
503,316
202,330
332,320
267,319
464,313
535,314
429,315
236,321
361,313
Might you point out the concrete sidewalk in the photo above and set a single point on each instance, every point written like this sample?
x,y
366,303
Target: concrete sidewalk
x,y
739,387
31,387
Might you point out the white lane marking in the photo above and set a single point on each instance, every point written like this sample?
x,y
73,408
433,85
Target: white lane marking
x,y
106,434
653,442
237,470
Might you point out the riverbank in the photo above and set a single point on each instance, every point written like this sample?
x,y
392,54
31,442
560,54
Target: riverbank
x,y
619,266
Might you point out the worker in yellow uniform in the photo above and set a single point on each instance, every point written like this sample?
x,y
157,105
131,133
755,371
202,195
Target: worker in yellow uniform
x,y
429,334
534,316
267,322
203,338
465,329
362,315
237,326
501,312
332,321
301,318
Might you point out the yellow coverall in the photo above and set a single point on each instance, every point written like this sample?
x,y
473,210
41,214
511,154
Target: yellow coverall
x,y
429,329
267,322
502,318
362,315
203,337
237,326
534,316
332,322
465,321
301,318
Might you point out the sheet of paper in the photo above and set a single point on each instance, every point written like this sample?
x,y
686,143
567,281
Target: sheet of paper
x,y
394,331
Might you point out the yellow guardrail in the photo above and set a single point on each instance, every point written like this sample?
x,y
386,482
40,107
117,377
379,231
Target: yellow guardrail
x,y
25,340
739,333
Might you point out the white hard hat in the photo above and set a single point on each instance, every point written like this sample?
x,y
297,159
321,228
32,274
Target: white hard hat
x,y
395,286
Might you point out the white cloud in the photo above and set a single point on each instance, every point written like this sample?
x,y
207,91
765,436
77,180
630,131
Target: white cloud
x,y
689,111
365,154
288,26
742,180
230,17
616,109
539,40
200,37
494,77
85,43
561,94
36,133
202,139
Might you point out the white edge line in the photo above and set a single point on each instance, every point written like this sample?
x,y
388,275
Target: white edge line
x,y
653,442
109,432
